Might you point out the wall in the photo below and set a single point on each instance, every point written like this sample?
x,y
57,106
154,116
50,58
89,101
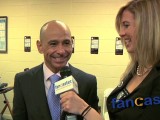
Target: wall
x,y
85,18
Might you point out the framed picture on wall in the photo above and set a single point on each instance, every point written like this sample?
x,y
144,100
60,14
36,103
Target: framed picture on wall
x,y
3,34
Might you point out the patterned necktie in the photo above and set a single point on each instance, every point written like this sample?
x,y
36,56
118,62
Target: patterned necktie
x,y
54,100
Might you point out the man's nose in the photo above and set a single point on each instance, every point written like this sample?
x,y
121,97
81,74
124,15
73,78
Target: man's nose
x,y
60,49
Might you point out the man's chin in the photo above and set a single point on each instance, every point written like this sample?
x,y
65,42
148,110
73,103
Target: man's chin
x,y
59,66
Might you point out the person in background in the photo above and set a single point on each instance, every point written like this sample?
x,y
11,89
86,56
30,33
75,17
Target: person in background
x,y
137,97
31,88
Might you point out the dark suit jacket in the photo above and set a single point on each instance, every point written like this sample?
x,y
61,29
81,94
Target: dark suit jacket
x,y
30,101
149,90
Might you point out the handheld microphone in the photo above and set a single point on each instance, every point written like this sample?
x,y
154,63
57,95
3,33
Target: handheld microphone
x,y
67,83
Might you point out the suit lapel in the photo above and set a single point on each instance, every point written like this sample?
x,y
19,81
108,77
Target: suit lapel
x,y
38,93
39,83
73,70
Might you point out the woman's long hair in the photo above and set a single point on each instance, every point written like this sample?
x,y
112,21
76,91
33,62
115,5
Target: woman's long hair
x,y
147,20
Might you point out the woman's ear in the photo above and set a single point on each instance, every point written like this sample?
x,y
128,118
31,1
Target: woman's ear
x,y
39,46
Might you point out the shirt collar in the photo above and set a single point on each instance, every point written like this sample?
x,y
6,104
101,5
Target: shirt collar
x,y
47,72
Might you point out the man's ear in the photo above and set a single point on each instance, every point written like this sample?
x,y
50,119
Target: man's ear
x,y
72,42
39,46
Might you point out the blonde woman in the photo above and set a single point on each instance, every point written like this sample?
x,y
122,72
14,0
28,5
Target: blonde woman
x,y
137,97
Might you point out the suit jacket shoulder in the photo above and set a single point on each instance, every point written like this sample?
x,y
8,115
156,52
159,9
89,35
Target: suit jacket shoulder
x,y
30,101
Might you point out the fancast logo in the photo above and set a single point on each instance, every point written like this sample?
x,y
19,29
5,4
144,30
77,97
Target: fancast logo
x,y
140,101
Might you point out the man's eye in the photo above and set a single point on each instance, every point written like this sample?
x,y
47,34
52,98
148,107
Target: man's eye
x,y
67,42
53,43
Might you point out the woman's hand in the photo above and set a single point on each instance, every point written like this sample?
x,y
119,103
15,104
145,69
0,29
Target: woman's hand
x,y
72,103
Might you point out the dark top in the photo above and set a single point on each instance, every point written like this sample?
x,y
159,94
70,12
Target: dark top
x,y
142,104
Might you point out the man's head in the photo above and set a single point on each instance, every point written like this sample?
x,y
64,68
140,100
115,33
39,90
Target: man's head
x,y
56,44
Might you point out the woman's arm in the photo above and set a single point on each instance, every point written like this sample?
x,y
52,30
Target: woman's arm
x,y
72,103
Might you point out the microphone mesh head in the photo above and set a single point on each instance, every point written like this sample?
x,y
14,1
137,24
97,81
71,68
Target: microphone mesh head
x,y
65,72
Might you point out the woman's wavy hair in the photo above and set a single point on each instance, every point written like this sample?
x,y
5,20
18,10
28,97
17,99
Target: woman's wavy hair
x,y
147,20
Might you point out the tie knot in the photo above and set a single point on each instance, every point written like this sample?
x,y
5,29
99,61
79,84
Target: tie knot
x,y
54,78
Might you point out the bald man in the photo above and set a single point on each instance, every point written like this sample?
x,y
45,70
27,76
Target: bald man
x,y
31,87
